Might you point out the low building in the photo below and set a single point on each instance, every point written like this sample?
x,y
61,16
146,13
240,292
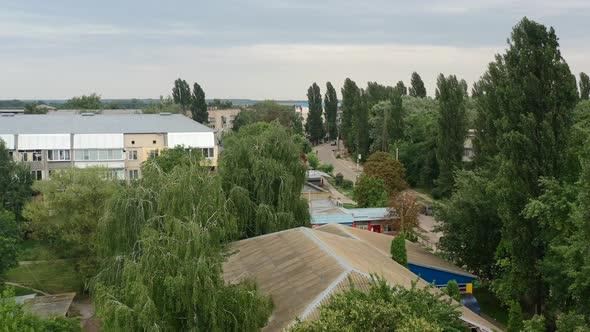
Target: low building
x,y
378,220
119,143
301,268
468,151
222,120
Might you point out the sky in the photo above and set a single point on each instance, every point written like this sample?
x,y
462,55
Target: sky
x,y
261,49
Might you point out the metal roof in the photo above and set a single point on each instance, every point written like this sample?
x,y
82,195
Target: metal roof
x,y
98,124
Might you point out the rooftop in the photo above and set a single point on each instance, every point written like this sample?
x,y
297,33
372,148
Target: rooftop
x,y
98,124
301,268
50,305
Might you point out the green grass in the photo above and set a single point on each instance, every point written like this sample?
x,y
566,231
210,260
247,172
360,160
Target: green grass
x,y
31,250
490,305
51,277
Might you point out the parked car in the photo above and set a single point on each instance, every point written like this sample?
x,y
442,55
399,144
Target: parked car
x,y
333,143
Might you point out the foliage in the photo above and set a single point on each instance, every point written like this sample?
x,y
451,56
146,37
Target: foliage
x,y
403,206
262,174
370,192
8,240
16,182
417,88
269,111
350,99
162,241
451,131
66,218
199,105
181,94
303,143
167,159
398,249
339,178
326,168
383,126
315,125
401,88
84,102
385,308
53,277
331,111
164,105
572,322
471,226
383,166
313,160
452,290
535,324
584,86
33,108
221,104
14,318
515,320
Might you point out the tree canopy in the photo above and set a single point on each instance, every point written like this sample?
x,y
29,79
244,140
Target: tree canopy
x,y
584,86
382,165
315,123
84,102
331,110
181,94
370,192
269,111
199,105
417,88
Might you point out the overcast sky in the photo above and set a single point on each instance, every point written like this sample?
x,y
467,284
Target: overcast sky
x,y
261,49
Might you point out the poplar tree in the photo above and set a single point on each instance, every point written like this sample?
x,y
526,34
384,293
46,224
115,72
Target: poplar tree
x,y
350,98
452,129
331,110
181,94
199,105
417,88
398,250
315,124
584,86
401,87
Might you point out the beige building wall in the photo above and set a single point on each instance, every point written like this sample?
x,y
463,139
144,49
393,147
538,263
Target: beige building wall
x,y
222,120
138,148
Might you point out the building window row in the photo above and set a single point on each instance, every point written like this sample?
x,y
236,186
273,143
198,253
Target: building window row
x,y
98,154
58,155
30,155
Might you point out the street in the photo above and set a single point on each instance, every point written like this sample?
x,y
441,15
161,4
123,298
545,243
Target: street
x,y
346,167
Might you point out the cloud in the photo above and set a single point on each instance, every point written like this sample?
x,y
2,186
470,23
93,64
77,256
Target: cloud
x,y
541,8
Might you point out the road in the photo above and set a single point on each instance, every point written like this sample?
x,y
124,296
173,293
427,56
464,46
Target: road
x,y
344,166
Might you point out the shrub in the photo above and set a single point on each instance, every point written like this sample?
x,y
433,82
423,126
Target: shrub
x,y
398,250
515,318
453,291
347,184
339,178
328,168
313,160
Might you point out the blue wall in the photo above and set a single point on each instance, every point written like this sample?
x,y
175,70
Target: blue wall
x,y
438,277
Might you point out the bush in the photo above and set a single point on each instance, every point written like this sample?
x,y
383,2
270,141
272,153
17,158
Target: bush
x,y
328,168
398,250
452,290
370,192
347,184
312,160
339,178
515,321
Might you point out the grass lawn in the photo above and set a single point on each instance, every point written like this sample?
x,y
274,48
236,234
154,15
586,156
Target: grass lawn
x,y
490,305
51,277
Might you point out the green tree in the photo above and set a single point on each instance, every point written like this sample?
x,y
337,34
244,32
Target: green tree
x,y
8,241
350,98
452,129
169,158
572,322
13,317
84,102
199,105
524,124
471,227
360,125
452,290
584,86
401,88
417,88
162,242
382,165
398,249
381,126
515,320
315,124
331,110
269,111
164,105
385,308
535,324
404,207
262,174
33,108
181,94
66,218
370,192
221,104
312,159
16,182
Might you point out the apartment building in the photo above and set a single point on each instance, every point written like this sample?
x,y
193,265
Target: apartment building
x,y
120,143
222,120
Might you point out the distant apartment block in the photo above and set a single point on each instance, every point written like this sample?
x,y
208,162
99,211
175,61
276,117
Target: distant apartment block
x,y
468,152
222,120
121,143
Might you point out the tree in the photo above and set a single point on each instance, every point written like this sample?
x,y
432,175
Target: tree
x,y
221,104
8,240
403,206
262,174
524,123
381,126
199,105
312,159
398,249
181,94
66,218
385,308
401,88
162,242
13,317
471,226
383,166
370,192
452,129
269,111
84,102
164,105
33,108
360,125
584,86
535,324
315,124
350,98
331,110
169,158
452,290
417,88
515,320
16,182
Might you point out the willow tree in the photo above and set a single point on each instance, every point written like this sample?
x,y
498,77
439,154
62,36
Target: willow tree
x,y
262,174
162,244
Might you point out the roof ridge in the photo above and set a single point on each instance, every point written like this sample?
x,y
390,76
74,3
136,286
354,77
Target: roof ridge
x,y
327,249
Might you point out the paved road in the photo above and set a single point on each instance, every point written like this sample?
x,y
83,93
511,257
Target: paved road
x,y
346,167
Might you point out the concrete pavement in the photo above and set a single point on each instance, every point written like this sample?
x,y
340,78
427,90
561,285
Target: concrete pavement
x,y
346,167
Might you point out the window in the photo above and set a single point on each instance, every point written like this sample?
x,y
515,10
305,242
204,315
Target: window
x,y
132,155
389,228
132,142
362,226
133,174
11,155
118,174
31,155
208,153
37,155
37,175
58,155
154,141
154,153
98,155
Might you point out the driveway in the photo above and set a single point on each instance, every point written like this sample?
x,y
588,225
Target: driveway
x,y
325,153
